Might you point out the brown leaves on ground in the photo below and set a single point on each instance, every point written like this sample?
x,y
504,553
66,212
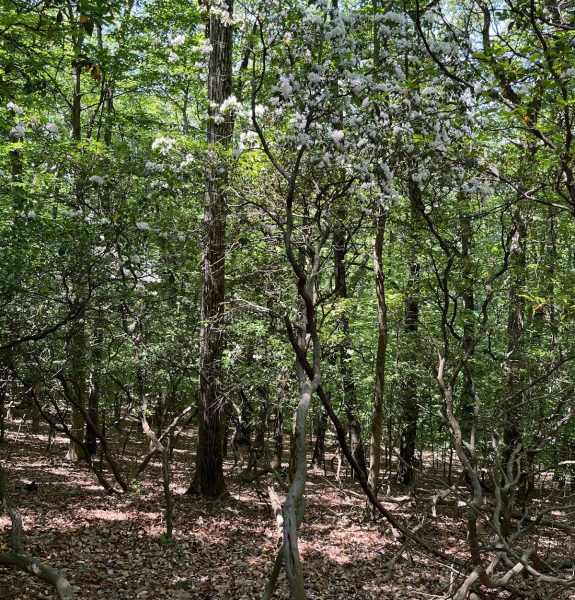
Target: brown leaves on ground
x,y
113,548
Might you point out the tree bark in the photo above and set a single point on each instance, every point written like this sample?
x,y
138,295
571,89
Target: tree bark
x,y
77,348
344,345
410,408
382,337
209,478
514,409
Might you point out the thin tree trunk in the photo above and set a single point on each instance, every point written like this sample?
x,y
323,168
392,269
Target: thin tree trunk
x,y
36,398
382,337
410,408
77,348
209,478
77,343
467,395
318,456
344,346
515,328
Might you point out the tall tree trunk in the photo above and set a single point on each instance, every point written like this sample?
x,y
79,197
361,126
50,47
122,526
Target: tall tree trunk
x,y
410,408
514,406
344,346
95,389
4,396
515,329
77,343
467,395
209,478
382,337
77,347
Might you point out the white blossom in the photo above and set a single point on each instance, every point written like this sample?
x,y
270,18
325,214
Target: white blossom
x,y
143,226
314,78
178,40
154,167
393,17
18,131
420,176
205,48
51,128
230,104
163,144
14,108
173,57
337,135
440,47
188,160
97,179
429,17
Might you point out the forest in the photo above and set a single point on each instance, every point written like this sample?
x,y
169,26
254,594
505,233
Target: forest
x,y
287,299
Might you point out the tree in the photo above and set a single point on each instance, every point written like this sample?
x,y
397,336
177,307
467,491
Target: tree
x,y
209,477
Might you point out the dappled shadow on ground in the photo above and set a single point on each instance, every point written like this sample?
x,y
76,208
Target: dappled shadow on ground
x,y
111,546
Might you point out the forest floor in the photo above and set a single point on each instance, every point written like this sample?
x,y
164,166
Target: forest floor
x,y
112,546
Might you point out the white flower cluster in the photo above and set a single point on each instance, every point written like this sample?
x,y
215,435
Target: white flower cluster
x,y
248,140
420,176
154,167
440,47
163,144
337,135
51,128
284,89
18,131
219,10
314,78
178,40
173,57
394,17
97,179
14,108
477,186
72,214
142,226
230,105
188,160
205,48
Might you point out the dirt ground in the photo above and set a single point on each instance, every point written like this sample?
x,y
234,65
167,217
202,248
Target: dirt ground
x,y
112,546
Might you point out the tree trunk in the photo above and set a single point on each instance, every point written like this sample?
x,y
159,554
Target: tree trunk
x,y
318,456
467,395
514,408
410,408
382,337
94,391
344,346
36,397
77,344
77,348
209,478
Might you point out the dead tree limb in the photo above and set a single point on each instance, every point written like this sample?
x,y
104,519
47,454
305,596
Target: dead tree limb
x,y
18,558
